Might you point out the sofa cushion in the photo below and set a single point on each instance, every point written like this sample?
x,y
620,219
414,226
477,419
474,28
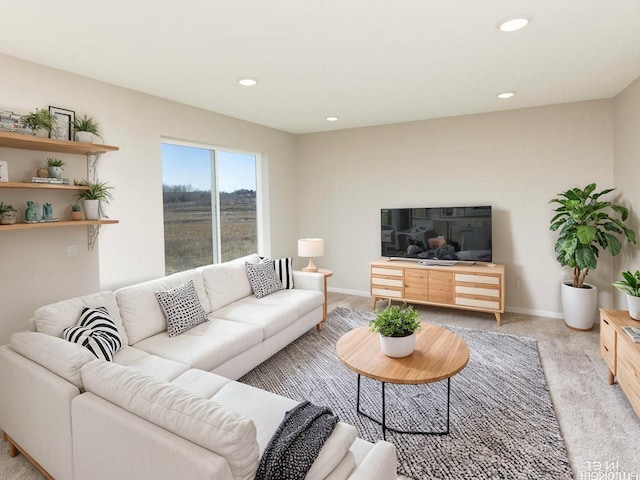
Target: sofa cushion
x,y
204,422
148,364
55,354
263,278
271,319
303,301
96,332
141,313
227,282
205,346
201,383
181,308
53,319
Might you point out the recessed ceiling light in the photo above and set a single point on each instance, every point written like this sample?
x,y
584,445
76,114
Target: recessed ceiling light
x,y
247,81
331,118
506,94
511,24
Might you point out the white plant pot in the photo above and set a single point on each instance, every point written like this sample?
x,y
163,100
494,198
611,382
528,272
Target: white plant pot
x,y
634,306
579,306
91,209
398,347
86,137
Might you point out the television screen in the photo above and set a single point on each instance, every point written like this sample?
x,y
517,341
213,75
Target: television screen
x,y
437,234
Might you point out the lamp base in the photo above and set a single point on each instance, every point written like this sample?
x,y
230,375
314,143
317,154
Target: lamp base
x,y
311,267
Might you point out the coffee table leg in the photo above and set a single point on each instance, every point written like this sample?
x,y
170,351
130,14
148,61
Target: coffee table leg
x,y
383,423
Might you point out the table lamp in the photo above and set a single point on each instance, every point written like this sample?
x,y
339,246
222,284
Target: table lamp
x,y
310,247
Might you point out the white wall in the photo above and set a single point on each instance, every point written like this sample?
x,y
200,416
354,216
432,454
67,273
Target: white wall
x,y
33,268
626,122
515,161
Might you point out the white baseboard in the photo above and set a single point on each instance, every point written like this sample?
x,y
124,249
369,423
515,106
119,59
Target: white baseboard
x,y
524,311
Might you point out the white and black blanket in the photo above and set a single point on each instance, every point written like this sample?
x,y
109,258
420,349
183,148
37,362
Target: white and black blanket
x,y
296,443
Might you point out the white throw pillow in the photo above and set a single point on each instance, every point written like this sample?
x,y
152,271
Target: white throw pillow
x,y
181,308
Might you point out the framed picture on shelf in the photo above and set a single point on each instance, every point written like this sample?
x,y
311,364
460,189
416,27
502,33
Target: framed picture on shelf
x,y
64,128
4,172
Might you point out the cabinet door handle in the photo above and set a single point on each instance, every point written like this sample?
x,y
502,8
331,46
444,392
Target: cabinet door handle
x,y
605,321
605,347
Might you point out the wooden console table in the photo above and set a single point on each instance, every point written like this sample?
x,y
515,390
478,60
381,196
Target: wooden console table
x,y
477,287
620,353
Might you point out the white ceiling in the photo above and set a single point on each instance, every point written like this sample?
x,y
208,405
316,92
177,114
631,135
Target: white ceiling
x,y
368,61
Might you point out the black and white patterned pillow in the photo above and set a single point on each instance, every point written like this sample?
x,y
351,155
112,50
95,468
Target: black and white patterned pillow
x,y
284,270
95,331
263,278
182,308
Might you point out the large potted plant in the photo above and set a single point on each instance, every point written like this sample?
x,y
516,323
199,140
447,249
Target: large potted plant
x,y
40,120
397,327
630,285
585,225
93,198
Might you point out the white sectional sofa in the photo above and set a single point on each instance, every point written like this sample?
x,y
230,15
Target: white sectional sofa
x,y
168,407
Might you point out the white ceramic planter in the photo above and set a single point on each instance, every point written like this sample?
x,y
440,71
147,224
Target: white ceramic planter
x,y
634,306
398,347
86,137
91,209
579,306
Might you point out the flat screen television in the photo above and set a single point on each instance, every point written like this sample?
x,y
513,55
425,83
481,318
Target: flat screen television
x,y
438,235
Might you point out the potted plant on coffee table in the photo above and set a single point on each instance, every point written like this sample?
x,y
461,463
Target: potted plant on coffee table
x,y
630,285
93,198
397,326
86,129
585,225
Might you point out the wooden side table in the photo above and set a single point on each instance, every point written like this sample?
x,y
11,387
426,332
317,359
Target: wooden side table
x,y
326,273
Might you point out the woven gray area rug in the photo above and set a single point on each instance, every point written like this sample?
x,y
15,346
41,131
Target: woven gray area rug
x,y
503,425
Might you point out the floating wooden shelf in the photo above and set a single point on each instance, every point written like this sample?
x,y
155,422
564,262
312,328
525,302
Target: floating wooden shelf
x,y
70,223
46,186
32,142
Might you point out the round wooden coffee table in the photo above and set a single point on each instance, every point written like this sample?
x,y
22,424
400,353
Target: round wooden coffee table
x,y
439,355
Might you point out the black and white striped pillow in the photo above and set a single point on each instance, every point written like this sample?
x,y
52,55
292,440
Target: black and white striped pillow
x,y
95,331
284,270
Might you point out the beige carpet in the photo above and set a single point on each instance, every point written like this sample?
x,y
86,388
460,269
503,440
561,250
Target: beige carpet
x,y
599,427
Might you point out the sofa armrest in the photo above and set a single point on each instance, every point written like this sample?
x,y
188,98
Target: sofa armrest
x,y
308,280
379,464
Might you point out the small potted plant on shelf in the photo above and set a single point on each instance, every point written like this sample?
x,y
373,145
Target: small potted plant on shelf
x,y
55,167
76,211
397,326
40,120
630,285
93,198
7,214
585,224
86,129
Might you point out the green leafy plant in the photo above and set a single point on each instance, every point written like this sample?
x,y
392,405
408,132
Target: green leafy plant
x,y
54,162
5,208
396,321
586,224
86,124
630,283
38,119
96,191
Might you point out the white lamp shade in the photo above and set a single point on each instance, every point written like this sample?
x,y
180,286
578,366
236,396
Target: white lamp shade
x,y
310,247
